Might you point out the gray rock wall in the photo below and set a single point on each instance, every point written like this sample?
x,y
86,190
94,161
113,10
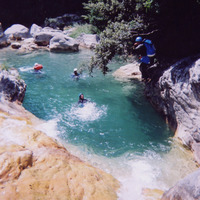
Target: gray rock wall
x,y
11,87
186,189
177,96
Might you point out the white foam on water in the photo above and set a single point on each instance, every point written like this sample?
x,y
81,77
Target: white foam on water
x,y
30,70
26,69
49,127
89,112
137,172
8,131
140,174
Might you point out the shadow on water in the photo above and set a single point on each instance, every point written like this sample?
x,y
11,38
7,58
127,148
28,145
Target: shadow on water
x,y
153,124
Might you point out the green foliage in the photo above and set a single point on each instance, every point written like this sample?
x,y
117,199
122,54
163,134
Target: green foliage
x,y
100,13
117,20
103,12
85,28
171,24
115,39
147,4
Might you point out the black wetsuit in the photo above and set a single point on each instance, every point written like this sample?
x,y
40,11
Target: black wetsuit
x,y
141,51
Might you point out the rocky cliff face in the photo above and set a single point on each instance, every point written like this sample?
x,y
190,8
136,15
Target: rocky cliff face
x,y
185,189
177,96
12,88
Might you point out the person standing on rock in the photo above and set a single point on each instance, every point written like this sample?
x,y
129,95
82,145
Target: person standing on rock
x,y
146,51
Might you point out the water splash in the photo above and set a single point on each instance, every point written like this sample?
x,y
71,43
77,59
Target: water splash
x,y
26,69
89,112
49,127
30,69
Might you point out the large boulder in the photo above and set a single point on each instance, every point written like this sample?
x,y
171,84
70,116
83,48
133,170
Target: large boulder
x,y
63,43
88,40
35,29
185,189
17,32
11,87
43,38
128,72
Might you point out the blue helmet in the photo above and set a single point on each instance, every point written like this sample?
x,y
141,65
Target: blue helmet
x,y
138,39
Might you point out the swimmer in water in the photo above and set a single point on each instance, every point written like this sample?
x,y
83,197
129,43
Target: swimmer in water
x,y
82,100
75,75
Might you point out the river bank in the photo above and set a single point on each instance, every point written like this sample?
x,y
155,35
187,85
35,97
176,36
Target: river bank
x,y
35,166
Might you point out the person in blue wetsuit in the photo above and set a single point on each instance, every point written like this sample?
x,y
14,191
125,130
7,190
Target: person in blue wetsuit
x,y
82,100
146,51
75,75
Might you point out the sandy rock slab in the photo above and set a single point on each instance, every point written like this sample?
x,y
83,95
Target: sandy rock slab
x,y
128,72
35,166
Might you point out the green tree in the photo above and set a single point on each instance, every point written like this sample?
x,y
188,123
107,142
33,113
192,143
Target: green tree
x,y
118,21
115,39
173,25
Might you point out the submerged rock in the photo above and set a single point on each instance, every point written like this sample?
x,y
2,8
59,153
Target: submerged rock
x,y
35,166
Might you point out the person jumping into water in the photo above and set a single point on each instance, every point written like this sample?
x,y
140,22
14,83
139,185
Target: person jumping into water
x,y
146,51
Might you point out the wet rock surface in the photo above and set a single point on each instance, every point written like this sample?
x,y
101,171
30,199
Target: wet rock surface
x,y
35,166
12,87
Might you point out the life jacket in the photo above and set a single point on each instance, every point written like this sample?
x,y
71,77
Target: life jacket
x,y
151,50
